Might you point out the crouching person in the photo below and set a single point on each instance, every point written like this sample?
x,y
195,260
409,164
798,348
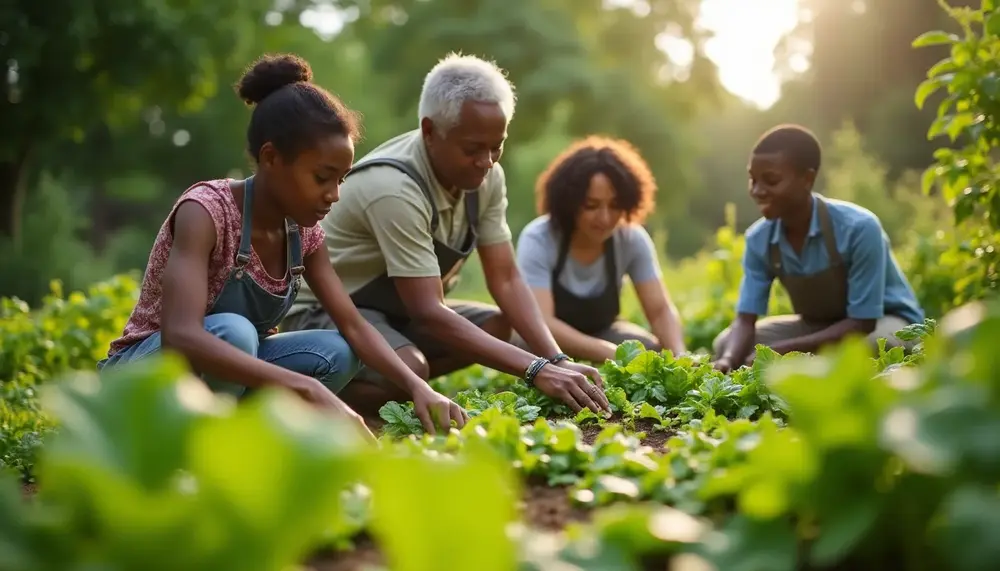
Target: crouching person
x,y
831,256
227,263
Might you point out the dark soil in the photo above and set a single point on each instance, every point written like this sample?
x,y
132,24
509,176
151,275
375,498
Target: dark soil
x,y
364,555
550,508
654,438
544,507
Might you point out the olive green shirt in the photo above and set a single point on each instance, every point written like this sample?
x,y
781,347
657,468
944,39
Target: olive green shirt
x,y
381,224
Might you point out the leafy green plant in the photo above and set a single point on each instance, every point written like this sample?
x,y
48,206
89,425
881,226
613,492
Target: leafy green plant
x,y
967,173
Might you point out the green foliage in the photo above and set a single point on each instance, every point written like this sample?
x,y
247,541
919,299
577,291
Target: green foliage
x,y
967,173
66,333
147,457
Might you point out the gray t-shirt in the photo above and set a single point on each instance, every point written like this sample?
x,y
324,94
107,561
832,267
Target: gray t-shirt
x,y
538,251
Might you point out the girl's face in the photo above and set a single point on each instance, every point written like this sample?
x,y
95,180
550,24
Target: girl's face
x,y
600,213
307,187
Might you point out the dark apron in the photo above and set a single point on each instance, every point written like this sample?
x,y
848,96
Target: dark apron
x,y
588,315
380,294
819,297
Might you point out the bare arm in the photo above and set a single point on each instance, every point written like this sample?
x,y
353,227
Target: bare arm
x,y
370,346
812,342
515,299
185,295
662,314
424,302
740,341
574,342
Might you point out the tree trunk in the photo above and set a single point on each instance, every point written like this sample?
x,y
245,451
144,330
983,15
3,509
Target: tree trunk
x,y
12,193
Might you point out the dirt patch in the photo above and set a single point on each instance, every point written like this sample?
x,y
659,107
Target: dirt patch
x,y
29,490
550,508
543,507
654,438
365,555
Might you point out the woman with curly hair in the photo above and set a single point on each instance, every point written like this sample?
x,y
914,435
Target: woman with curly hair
x,y
592,200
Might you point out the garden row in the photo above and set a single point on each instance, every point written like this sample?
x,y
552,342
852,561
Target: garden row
x,y
890,461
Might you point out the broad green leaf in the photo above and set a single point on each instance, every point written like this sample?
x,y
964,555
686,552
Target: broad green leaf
x,y
271,478
926,88
106,422
934,38
928,179
751,545
842,530
444,514
992,24
971,537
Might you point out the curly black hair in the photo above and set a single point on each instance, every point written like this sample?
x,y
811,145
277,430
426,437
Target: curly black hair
x,y
289,110
799,145
562,188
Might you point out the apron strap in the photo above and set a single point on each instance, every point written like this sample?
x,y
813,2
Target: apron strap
x,y
610,265
294,241
561,256
829,238
243,254
472,211
774,250
413,174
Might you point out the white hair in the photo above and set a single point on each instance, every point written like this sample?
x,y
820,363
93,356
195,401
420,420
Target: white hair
x,y
458,78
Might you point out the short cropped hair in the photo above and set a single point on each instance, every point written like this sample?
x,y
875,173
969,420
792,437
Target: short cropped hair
x,y
796,142
458,78
562,188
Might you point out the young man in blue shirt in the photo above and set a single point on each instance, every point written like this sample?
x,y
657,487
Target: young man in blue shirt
x,y
832,257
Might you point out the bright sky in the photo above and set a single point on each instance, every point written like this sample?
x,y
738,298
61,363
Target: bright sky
x,y
746,33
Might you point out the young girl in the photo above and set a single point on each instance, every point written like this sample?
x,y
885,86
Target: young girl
x,y
227,262
592,200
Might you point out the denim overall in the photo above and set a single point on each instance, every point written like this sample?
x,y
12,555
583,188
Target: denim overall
x,y
244,313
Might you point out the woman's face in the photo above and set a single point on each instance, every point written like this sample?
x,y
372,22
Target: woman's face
x,y
600,214
308,186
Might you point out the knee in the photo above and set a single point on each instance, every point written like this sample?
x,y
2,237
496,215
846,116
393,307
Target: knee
x,y
498,326
341,362
235,330
415,360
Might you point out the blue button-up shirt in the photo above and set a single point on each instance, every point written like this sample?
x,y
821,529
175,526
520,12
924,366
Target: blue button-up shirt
x,y
876,285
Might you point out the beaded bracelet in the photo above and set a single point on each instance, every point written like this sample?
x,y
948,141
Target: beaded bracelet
x,y
559,357
533,369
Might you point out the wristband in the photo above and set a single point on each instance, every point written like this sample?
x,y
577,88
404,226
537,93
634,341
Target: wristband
x,y
533,368
559,357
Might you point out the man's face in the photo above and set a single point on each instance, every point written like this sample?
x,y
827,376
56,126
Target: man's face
x,y
776,186
464,155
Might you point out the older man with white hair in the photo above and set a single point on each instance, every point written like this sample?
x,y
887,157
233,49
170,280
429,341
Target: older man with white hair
x,y
410,213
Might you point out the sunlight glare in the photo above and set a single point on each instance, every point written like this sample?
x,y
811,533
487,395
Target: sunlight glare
x,y
746,33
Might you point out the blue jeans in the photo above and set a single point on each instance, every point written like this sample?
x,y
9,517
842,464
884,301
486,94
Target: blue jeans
x,y
321,354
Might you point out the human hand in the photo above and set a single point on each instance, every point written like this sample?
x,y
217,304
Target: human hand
x,y
723,365
568,383
316,393
587,370
431,407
